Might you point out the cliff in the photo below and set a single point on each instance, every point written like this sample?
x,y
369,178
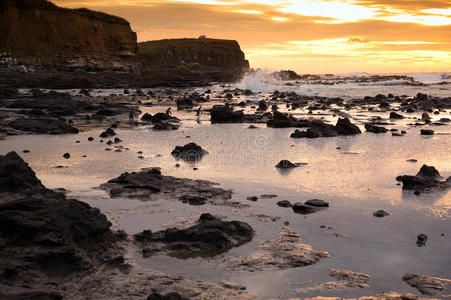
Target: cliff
x,y
191,61
43,45
40,33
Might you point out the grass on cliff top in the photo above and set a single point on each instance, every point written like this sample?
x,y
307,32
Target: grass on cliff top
x,y
153,52
47,5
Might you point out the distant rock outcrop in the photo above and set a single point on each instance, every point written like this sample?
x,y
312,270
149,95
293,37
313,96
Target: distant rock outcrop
x,y
191,61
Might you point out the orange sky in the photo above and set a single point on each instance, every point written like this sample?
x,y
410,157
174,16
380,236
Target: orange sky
x,y
308,36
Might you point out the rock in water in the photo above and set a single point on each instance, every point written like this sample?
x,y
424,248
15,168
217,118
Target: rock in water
x,y
191,153
225,114
284,203
317,203
394,115
151,183
286,164
211,236
421,240
345,127
427,132
380,214
44,236
284,252
375,129
426,285
427,178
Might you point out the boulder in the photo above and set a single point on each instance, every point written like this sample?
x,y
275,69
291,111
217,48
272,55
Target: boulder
x,y
426,179
225,114
209,237
375,129
191,153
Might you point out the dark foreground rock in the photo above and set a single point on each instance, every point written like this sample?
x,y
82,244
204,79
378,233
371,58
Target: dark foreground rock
x,y
211,236
426,285
284,252
191,153
45,237
151,184
428,178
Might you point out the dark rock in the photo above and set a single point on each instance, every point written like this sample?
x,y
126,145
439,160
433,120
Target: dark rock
x,y
284,203
191,153
211,236
345,127
303,209
375,129
286,164
90,138
262,105
380,213
252,198
394,115
225,114
427,178
193,199
427,132
66,155
107,133
44,236
317,203
169,296
421,240
145,183
43,126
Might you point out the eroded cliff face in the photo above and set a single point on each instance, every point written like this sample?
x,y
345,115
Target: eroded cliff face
x,y
190,61
40,34
46,46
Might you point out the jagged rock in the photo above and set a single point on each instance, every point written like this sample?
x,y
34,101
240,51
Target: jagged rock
x,y
426,285
284,252
375,129
151,183
427,178
211,236
191,153
44,236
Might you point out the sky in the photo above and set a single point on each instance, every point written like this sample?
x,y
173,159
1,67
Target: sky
x,y
308,36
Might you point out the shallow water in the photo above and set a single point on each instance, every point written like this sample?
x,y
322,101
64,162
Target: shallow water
x,y
357,179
